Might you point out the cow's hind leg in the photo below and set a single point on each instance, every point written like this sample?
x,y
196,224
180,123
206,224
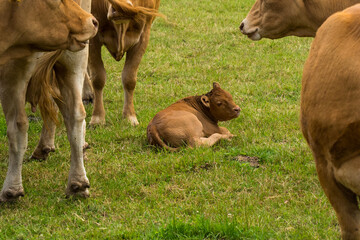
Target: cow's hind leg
x,y
98,78
46,143
73,112
343,200
88,92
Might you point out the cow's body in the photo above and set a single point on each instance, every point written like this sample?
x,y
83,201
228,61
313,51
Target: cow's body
x,y
120,36
16,70
330,114
280,18
193,121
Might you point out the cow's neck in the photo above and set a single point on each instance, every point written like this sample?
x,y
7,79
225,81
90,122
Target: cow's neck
x,y
196,103
318,11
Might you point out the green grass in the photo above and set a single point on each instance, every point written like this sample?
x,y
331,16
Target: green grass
x,y
203,193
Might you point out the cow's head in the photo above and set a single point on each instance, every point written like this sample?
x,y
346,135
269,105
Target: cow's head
x,y
129,22
54,24
278,18
220,103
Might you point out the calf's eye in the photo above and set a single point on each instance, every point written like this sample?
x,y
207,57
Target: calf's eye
x,y
219,103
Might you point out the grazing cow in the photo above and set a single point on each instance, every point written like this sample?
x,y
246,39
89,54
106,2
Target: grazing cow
x,y
280,18
193,120
330,114
124,28
26,28
125,17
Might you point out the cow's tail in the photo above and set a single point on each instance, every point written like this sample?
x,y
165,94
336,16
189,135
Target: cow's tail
x,y
43,87
133,12
154,138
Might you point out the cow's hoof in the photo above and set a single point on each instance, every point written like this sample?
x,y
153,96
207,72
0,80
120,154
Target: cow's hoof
x,y
87,101
42,153
11,194
95,120
78,189
86,146
133,120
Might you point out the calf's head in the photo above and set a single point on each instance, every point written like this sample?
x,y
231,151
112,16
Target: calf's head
x,y
220,103
276,19
54,24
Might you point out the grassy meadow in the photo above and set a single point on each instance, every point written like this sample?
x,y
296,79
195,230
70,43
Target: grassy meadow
x,y
203,193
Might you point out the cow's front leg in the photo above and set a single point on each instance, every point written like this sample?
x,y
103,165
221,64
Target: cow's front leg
x,y
17,126
70,73
14,78
46,143
129,74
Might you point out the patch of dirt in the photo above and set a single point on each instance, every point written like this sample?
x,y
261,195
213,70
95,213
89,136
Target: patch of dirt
x,y
253,161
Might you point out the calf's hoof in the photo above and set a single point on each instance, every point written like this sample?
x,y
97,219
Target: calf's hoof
x,y
42,153
78,189
11,194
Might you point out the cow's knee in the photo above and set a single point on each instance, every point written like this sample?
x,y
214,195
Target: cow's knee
x,y
348,174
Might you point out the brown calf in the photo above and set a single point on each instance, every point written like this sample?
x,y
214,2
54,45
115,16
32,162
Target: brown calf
x,y
193,120
330,114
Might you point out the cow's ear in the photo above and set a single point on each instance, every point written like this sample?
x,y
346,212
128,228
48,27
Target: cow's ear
x,y
205,101
216,85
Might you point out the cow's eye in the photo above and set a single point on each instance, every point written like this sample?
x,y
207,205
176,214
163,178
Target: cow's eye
x,y
219,104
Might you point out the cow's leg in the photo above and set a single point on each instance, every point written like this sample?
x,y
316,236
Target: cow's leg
x,y
17,126
88,92
342,199
129,74
14,78
98,78
46,143
70,73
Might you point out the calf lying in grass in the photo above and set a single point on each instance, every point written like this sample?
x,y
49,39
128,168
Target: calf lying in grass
x,y
193,121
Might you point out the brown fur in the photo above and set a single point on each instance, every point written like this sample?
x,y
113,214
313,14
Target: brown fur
x,y
330,114
32,26
43,87
129,34
280,18
193,121
27,27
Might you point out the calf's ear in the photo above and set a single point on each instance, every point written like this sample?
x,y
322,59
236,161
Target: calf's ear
x,y
205,100
216,85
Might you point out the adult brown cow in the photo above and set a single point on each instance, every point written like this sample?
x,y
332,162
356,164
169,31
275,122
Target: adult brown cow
x,y
128,30
280,18
330,114
124,28
193,120
26,27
